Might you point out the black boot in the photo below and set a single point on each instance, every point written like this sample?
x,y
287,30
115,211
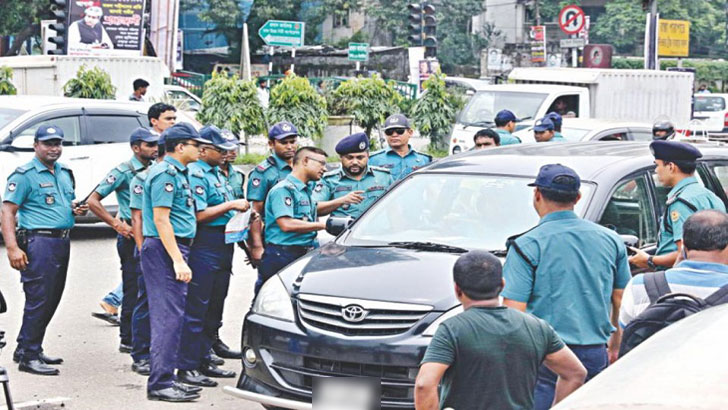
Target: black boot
x,y
223,350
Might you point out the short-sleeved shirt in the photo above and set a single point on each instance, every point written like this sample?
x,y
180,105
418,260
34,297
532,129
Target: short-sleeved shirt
x,y
136,199
695,278
677,211
210,188
565,270
264,177
494,355
236,180
167,186
557,137
399,166
118,180
506,138
43,197
337,183
289,198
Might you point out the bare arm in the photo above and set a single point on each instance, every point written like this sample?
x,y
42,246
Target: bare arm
x,y
213,212
667,260
288,224
255,236
18,259
166,235
514,304
569,369
94,204
616,339
327,207
428,378
136,227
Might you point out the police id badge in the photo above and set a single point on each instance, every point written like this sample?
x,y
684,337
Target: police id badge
x,y
50,199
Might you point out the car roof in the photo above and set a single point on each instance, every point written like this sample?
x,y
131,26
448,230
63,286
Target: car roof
x,y
532,88
35,102
710,95
599,123
468,82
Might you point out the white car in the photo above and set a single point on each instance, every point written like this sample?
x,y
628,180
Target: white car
x,y
183,98
96,135
590,129
712,111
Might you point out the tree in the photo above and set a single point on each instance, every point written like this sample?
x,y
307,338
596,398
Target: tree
x,y
296,101
21,19
231,103
434,113
92,83
6,85
369,100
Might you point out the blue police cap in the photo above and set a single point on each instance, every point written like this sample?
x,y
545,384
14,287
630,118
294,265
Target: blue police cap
x,y
282,130
555,118
182,131
674,151
505,116
397,121
218,137
543,124
353,143
548,177
48,132
143,134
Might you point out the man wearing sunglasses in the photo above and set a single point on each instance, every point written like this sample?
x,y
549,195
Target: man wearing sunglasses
x,y
400,159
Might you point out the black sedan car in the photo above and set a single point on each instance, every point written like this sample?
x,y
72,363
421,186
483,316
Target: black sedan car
x,y
367,303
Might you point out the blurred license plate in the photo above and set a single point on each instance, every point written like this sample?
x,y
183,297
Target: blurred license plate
x,y
346,393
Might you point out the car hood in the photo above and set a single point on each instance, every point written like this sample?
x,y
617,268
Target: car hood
x,y
383,274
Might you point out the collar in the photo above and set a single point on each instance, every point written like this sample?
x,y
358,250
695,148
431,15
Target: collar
x,y
168,159
137,164
280,164
409,147
558,216
40,167
681,185
296,182
502,131
708,267
204,166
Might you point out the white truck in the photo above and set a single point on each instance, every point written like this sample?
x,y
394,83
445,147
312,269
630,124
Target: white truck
x,y
629,95
46,74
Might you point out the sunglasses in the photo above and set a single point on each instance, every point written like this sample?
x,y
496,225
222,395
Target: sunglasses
x,y
398,131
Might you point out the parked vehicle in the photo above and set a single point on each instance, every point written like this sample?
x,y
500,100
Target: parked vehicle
x,y
590,129
712,111
182,98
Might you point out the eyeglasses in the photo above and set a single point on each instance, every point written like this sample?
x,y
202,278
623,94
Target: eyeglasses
x,y
398,131
192,145
320,162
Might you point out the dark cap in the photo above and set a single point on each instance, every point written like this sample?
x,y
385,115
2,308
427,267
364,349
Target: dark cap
x,y
555,118
353,143
674,151
48,132
548,178
543,124
182,131
396,121
218,137
282,130
505,116
143,134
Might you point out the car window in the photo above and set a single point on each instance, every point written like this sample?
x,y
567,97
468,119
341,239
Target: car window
x,y
721,172
9,114
187,102
641,135
629,211
712,103
566,105
613,135
109,129
574,134
71,127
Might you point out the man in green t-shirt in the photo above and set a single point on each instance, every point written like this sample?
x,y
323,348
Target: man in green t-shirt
x,y
488,356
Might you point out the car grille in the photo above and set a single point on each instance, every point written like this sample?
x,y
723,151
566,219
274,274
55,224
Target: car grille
x,y
358,317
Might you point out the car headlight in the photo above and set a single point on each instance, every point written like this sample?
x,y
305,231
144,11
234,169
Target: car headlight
x,y
273,300
430,331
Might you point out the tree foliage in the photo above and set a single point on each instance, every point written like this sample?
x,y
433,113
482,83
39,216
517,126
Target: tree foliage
x,y
369,100
231,103
434,113
6,85
296,101
92,83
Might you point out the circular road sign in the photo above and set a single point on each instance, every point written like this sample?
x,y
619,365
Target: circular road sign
x,y
571,19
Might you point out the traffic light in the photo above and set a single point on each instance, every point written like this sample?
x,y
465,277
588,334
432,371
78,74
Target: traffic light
x,y
430,30
414,26
59,9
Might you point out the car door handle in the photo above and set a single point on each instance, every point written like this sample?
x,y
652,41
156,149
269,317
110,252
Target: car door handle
x,y
79,158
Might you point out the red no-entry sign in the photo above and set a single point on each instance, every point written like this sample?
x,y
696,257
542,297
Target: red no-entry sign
x,y
571,19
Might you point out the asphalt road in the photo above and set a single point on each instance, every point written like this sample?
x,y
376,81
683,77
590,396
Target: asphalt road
x,y
95,375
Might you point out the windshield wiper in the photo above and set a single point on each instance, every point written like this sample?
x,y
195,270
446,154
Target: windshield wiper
x,y
499,253
480,123
428,246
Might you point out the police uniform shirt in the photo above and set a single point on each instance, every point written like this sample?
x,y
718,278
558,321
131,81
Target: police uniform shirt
x,y
43,197
289,198
167,186
265,176
506,138
210,188
558,137
399,167
136,199
336,184
236,180
677,210
118,180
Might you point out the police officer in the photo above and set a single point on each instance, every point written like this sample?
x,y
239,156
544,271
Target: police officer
x,y
283,142
543,131
366,182
676,163
41,194
169,226
144,146
400,159
505,123
210,258
662,129
558,121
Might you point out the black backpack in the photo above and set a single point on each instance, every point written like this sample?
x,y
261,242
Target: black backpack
x,y
665,309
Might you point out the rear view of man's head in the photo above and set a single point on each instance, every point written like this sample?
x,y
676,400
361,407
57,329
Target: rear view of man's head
x,y
705,236
478,276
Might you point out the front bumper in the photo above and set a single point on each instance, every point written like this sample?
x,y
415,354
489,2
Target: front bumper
x,y
267,400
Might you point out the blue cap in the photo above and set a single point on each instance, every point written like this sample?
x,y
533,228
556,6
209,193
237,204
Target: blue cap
x,y
182,131
218,137
543,124
555,118
48,132
353,143
143,134
505,116
397,121
674,151
548,177
282,130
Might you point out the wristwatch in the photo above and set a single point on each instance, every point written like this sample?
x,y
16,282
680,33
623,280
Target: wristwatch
x,y
651,262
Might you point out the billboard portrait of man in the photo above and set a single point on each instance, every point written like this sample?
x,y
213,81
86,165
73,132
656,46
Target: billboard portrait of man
x,y
88,32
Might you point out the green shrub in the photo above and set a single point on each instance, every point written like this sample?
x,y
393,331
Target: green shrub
x,y
369,100
295,100
434,113
92,83
6,85
231,103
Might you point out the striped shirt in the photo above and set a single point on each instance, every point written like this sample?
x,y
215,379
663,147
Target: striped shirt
x,y
692,277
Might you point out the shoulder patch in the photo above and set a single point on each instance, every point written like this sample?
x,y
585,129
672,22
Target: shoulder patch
x,y
674,216
171,170
380,169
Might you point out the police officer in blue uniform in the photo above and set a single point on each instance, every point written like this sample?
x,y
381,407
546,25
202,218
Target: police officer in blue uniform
x,y
557,120
400,159
210,258
543,131
144,146
676,164
505,123
169,226
367,182
41,194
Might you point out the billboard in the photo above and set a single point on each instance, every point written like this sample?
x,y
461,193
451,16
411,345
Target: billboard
x,y
105,27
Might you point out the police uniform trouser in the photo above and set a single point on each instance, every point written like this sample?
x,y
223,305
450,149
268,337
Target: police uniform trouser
x,y
275,258
211,263
166,296
129,274
43,282
140,332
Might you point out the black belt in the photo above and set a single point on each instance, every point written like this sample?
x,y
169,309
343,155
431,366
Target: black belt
x,y
292,248
588,346
218,229
184,241
51,233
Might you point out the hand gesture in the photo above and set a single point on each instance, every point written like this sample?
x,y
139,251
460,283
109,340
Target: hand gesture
x,y
353,197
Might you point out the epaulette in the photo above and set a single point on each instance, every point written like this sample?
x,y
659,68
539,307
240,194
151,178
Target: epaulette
x,y
142,175
23,169
380,169
263,166
70,173
66,167
376,153
426,155
198,173
332,173
171,170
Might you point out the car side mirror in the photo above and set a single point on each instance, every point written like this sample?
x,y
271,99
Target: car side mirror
x,y
338,224
23,142
630,240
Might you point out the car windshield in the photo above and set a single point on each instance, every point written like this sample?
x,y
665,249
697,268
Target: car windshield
x,y
7,115
485,104
466,211
574,134
703,104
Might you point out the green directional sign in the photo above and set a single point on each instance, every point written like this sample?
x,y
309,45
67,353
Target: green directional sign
x,y
358,51
283,33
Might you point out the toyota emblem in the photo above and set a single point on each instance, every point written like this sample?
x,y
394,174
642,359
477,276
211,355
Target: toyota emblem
x,y
354,313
